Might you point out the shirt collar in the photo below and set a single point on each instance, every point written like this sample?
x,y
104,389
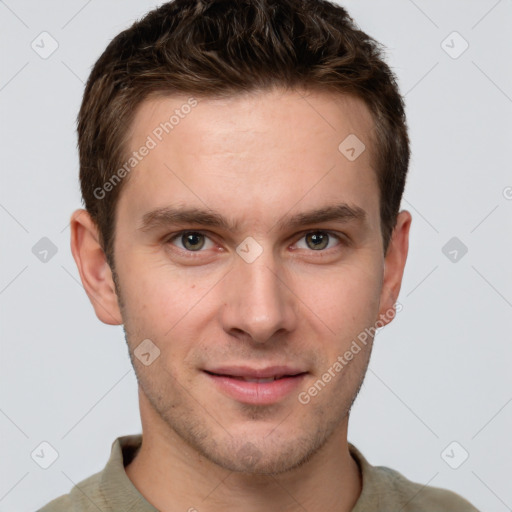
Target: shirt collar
x,y
116,487
120,492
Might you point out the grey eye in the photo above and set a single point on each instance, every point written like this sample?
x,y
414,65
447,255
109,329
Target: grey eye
x,y
317,240
192,241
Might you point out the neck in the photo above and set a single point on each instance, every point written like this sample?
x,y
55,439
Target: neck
x,y
173,476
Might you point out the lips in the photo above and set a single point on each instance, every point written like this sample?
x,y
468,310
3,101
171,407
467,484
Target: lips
x,y
255,373
261,386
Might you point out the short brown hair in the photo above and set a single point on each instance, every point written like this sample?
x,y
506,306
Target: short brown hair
x,y
214,48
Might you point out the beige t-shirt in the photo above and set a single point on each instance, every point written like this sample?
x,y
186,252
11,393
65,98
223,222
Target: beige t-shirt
x,y
384,489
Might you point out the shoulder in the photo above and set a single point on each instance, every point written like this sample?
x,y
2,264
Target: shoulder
x,y
385,490
109,490
84,497
416,497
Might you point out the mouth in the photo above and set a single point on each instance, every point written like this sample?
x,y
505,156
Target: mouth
x,y
254,379
256,386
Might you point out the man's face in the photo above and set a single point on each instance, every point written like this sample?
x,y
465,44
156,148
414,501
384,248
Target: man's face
x,y
259,297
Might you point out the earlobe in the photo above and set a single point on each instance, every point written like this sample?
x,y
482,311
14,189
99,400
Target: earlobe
x,y
93,267
394,264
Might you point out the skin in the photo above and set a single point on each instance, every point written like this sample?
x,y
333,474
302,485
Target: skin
x,y
253,159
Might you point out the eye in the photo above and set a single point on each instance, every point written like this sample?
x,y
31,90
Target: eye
x,y
192,241
318,240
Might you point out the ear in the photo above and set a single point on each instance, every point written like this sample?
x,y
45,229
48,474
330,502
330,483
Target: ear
x,y
394,263
94,270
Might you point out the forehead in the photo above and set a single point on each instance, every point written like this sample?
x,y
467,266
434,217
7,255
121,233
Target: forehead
x,y
268,150
245,115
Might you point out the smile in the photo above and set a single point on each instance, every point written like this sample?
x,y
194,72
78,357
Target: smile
x,y
253,387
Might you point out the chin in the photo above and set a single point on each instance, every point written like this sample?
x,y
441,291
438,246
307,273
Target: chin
x,y
256,455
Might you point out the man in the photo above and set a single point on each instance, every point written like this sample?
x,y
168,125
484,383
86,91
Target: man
x,y
242,166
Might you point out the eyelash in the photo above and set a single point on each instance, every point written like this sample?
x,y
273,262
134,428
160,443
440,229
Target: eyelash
x,y
342,241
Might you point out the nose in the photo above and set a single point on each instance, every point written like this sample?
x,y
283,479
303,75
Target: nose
x,y
258,304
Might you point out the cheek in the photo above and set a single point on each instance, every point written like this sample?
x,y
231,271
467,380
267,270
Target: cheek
x,y
153,289
345,299
165,304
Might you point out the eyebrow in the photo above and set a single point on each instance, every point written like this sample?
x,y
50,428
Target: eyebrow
x,y
169,216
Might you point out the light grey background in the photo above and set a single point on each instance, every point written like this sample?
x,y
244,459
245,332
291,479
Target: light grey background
x,y
439,373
